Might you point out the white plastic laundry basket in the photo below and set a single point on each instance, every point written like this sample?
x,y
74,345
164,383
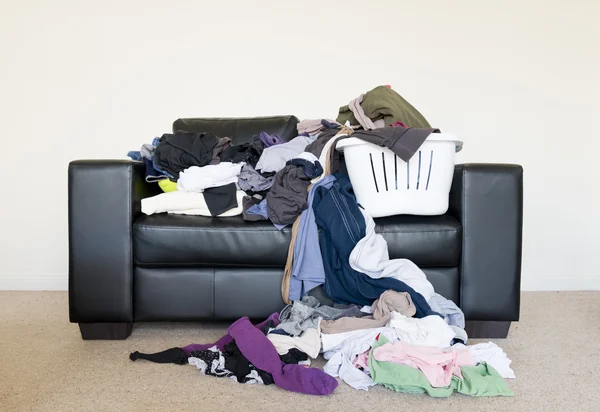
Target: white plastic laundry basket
x,y
385,185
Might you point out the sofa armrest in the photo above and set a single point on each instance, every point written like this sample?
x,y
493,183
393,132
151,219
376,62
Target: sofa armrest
x,y
104,200
488,201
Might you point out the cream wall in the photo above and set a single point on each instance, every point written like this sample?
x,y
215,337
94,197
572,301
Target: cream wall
x,y
517,80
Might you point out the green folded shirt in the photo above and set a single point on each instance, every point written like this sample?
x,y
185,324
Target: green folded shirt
x,y
480,380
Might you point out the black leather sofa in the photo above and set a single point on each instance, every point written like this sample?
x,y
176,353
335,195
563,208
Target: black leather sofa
x,y
126,267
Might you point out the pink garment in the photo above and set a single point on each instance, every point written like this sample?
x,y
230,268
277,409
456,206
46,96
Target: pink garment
x,y
438,365
362,360
398,124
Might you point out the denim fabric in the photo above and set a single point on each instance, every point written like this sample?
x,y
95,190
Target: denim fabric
x,y
342,225
152,175
308,271
159,170
135,155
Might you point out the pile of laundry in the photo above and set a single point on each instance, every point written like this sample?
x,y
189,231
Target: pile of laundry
x,y
381,344
387,325
267,178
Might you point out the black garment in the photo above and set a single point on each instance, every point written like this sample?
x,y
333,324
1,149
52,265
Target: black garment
x,y
237,363
220,199
294,356
270,324
222,144
288,196
311,169
209,357
248,152
403,141
173,355
280,332
176,152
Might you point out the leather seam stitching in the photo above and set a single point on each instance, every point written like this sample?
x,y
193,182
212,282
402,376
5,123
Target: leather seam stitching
x,y
188,229
130,230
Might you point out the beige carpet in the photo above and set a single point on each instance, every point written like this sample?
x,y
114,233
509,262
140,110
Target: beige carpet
x,y
45,366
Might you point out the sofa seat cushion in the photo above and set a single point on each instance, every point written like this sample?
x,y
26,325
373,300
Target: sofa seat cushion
x,y
164,240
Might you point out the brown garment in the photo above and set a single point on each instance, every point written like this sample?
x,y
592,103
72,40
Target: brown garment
x,y
389,301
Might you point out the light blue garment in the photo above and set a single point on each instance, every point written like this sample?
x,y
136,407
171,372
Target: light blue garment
x,y
308,271
259,209
135,155
448,309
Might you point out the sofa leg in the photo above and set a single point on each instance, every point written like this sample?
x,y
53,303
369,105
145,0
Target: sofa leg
x,y
105,331
487,329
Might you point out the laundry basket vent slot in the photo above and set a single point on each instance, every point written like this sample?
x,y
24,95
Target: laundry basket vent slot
x,y
384,173
429,173
373,170
419,171
396,171
408,174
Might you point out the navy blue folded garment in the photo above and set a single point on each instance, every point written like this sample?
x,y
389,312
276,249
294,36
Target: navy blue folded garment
x,y
342,225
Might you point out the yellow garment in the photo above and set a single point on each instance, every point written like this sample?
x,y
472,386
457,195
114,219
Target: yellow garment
x,y
167,186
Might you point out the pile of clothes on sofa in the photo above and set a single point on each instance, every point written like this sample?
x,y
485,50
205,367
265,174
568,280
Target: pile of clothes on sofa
x,y
387,327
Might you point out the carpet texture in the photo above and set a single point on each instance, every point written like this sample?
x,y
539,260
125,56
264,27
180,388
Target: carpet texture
x,y
45,366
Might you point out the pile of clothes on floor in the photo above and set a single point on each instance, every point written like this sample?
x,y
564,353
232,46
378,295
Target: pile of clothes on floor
x,y
387,325
381,344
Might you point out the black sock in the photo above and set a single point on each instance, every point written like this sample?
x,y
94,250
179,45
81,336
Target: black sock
x,y
173,355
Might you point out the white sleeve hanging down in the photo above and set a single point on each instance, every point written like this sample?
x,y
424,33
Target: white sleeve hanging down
x,y
371,257
196,179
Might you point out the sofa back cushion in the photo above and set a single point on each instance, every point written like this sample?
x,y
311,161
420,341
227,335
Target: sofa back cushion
x,y
240,129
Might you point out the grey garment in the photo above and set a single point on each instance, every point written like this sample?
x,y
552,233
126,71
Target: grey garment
x,y
361,117
274,158
288,196
448,309
304,314
147,151
317,146
461,334
157,178
250,180
222,144
403,141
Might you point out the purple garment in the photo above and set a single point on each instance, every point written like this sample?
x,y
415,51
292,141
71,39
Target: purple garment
x,y
270,140
261,353
225,339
